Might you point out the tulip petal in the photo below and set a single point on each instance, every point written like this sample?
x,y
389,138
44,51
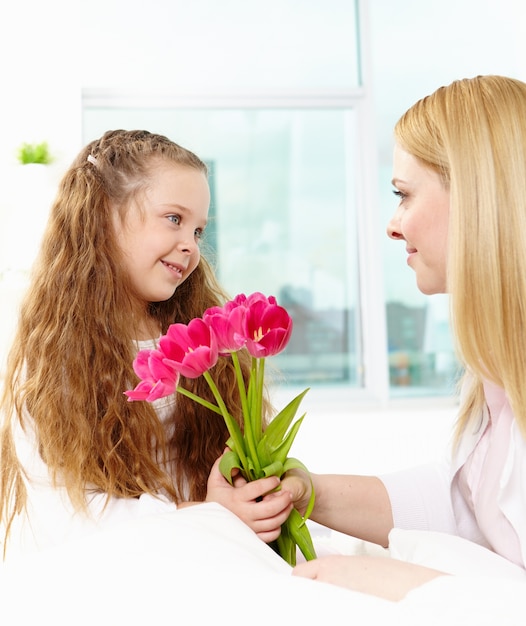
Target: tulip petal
x,y
191,348
227,323
268,326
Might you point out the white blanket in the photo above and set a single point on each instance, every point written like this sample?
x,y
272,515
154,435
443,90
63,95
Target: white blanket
x,y
202,565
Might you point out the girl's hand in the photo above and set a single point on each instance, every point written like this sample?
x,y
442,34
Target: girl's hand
x,y
387,578
255,502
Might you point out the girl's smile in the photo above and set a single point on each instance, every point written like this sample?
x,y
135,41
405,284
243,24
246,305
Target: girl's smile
x,y
160,235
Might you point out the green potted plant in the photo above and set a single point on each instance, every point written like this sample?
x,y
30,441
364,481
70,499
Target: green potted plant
x,y
34,153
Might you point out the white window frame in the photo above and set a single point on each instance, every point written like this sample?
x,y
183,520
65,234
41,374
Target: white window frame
x,y
373,340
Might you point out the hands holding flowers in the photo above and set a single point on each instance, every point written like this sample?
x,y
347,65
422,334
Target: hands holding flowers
x,y
263,328
262,504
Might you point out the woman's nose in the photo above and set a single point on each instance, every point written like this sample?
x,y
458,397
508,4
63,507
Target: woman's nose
x,y
393,228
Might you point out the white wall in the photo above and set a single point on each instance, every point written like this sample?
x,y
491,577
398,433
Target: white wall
x,y
40,52
51,50
371,440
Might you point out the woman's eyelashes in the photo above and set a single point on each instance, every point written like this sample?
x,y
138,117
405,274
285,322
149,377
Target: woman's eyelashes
x,y
400,194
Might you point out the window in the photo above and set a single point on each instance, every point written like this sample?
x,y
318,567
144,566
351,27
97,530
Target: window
x,y
277,105
283,218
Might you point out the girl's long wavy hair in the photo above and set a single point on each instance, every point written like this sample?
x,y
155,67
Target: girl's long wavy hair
x,y
72,356
473,133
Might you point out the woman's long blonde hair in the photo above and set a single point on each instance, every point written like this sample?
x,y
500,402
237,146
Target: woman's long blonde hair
x,y
473,133
72,356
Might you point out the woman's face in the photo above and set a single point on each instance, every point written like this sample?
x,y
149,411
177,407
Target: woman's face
x,y
421,220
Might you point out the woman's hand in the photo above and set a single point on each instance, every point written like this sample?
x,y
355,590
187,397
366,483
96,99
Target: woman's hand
x,y
387,578
255,503
298,483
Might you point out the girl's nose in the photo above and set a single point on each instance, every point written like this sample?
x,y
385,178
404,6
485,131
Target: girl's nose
x,y
188,243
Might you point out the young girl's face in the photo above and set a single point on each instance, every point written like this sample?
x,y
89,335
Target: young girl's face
x,y
159,236
421,220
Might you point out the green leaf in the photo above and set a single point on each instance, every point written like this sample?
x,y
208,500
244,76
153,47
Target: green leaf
x,y
295,534
253,471
300,533
264,451
277,428
236,437
274,469
229,461
286,546
268,454
281,452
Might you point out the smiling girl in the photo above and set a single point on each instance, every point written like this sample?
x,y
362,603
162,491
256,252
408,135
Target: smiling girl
x,y
120,261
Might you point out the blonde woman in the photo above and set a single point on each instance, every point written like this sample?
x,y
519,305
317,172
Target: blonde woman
x,y
460,176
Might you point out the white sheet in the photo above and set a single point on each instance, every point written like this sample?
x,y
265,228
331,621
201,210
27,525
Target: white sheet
x,y
201,565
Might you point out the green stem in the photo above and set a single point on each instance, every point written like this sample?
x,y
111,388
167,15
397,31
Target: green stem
x,y
248,429
240,382
229,421
260,383
202,401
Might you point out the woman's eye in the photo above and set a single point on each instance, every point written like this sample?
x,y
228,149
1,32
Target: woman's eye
x,y
399,194
199,233
175,219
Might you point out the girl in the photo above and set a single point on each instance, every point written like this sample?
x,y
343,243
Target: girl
x,y
119,262
460,176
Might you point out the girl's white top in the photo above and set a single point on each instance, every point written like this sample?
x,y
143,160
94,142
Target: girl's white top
x,y
51,518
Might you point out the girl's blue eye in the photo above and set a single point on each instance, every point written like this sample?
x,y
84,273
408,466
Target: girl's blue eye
x,y
199,233
174,218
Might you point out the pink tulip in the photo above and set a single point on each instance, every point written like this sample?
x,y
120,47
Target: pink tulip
x,y
257,296
268,326
158,378
255,323
191,349
227,323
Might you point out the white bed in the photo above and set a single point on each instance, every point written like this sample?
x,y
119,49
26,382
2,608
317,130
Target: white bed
x,y
201,565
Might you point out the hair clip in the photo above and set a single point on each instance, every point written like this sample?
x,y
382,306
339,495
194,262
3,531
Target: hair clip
x,y
92,159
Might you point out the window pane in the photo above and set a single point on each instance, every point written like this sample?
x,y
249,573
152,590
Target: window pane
x,y
222,45
283,218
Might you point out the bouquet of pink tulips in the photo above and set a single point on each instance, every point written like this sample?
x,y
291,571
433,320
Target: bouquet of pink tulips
x,y
257,324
